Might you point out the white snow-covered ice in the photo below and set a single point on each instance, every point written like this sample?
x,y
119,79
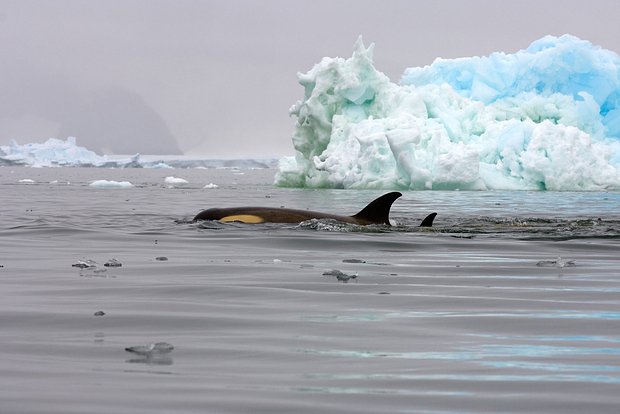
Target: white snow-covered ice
x,y
52,153
66,153
544,118
111,184
175,181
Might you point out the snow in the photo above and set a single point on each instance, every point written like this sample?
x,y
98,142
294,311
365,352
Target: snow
x,y
544,118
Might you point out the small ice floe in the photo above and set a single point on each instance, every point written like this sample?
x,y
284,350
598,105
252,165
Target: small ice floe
x,y
26,181
85,264
175,181
151,349
99,313
110,184
211,186
559,262
342,277
113,263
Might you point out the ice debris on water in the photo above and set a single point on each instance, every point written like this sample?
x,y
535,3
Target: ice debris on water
x,y
341,276
151,349
85,264
110,184
90,265
211,186
175,181
113,263
559,262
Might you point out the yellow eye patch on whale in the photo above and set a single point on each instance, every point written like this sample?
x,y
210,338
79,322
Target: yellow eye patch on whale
x,y
243,218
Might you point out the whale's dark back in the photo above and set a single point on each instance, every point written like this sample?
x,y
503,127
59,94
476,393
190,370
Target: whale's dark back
x,y
376,212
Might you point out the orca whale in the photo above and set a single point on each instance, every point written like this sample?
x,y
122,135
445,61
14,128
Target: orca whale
x,y
376,212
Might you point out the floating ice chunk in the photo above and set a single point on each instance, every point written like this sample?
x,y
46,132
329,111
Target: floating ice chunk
x,y
113,263
26,181
559,262
110,184
211,186
151,349
341,276
353,261
174,181
85,264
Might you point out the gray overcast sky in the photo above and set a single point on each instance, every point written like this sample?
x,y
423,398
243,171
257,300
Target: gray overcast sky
x,y
217,78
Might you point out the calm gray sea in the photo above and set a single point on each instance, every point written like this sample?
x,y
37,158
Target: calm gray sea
x,y
510,304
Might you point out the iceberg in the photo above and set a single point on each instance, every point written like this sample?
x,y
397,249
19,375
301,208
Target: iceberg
x,y
544,118
52,153
66,153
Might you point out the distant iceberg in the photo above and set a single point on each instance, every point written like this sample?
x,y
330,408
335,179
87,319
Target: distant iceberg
x,y
544,118
52,153
66,153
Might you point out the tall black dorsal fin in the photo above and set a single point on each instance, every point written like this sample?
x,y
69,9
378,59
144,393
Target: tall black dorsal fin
x,y
378,210
428,221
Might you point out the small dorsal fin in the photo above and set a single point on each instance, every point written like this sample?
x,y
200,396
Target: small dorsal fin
x,y
428,221
378,210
